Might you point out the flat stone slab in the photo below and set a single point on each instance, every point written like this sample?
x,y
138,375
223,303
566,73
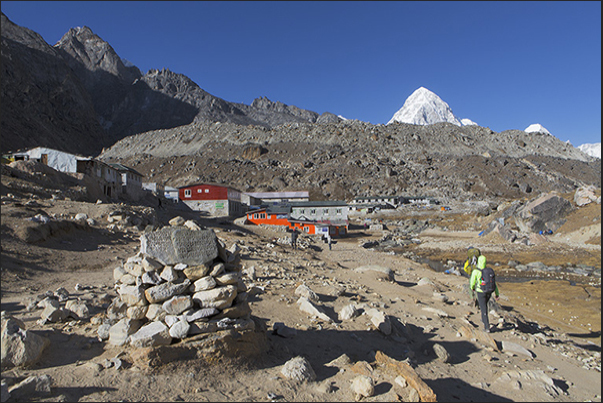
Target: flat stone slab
x,y
172,245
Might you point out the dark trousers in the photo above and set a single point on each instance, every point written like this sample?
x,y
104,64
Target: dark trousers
x,y
482,300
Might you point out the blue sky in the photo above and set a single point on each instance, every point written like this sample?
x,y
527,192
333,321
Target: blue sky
x,y
504,65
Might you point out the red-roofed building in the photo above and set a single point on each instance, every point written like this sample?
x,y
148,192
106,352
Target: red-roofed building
x,y
215,200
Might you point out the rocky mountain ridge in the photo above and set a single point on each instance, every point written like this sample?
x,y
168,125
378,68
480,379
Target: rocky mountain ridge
x,y
351,158
110,100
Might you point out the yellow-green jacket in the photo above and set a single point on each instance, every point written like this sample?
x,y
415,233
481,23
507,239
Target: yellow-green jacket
x,y
476,276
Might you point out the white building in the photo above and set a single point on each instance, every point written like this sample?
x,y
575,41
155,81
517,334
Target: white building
x,y
251,198
171,193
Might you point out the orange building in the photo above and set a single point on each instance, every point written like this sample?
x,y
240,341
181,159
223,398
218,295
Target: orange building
x,y
281,215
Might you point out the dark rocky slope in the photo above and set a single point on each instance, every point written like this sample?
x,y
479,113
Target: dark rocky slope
x,y
79,96
43,101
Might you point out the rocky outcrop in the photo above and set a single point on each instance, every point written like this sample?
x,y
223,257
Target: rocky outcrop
x,y
544,213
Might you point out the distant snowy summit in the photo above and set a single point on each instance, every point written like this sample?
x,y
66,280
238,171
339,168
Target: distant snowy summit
x,y
592,149
468,122
536,128
423,107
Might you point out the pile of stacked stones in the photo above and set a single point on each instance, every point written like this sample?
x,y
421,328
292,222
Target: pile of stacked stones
x,y
181,283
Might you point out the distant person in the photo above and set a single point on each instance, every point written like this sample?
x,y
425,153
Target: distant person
x,y
483,283
329,240
294,238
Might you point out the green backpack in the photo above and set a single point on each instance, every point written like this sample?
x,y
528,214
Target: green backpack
x,y
472,255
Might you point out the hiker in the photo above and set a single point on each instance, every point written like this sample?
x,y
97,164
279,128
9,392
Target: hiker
x,y
483,283
471,262
294,238
329,240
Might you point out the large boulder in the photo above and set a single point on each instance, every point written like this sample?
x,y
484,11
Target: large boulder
x,y
544,213
585,195
19,346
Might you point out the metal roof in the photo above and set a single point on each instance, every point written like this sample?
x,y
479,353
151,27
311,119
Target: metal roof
x,y
321,203
278,195
121,167
279,209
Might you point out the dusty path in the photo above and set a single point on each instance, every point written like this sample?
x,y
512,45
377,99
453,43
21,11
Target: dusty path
x,y
474,373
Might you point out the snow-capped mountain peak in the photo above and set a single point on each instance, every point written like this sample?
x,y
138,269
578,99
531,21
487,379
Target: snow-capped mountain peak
x,y
592,149
424,107
536,128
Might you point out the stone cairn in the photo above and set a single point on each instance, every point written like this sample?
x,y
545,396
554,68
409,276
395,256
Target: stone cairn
x,y
183,282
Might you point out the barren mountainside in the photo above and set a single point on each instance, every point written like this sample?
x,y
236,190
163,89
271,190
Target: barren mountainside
x,y
351,158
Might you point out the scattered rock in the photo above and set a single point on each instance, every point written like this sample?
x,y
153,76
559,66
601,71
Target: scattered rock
x,y
298,369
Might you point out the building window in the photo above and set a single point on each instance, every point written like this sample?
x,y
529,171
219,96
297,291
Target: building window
x,y
325,211
302,211
313,211
206,190
262,215
338,211
187,193
255,216
306,229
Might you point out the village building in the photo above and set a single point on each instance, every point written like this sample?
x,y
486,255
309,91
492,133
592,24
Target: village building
x,y
153,187
109,178
258,198
368,204
131,181
171,193
320,218
423,201
213,200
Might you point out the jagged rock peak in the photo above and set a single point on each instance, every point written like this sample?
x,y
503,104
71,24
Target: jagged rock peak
x,y
167,81
80,33
96,54
265,103
423,107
